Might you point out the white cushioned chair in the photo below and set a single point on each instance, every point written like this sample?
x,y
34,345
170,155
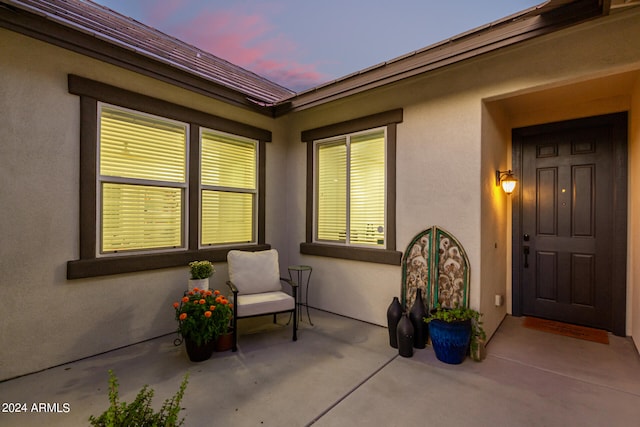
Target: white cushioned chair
x,y
254,279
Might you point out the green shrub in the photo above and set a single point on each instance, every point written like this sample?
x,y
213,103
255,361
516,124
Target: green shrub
x,y
139,412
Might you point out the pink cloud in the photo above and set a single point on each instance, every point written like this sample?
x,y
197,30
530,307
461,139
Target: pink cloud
x,y
291,74
165,11
245,39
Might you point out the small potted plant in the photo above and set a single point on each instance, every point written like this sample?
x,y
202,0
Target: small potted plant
x,y
451,330
223,314
200,271
202,316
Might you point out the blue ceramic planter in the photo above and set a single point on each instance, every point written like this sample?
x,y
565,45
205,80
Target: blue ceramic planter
x,y
450,341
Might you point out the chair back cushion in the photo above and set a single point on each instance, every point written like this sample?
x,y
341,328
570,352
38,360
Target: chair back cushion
x,y
254,272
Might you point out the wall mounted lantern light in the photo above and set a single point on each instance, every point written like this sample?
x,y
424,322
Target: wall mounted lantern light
x,y
507,180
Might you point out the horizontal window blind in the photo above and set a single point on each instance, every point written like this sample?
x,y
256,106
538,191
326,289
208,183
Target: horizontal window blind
x,y
142,181
140,217
351,189
227,217
367,189
229,188
228,161
331,212
133,145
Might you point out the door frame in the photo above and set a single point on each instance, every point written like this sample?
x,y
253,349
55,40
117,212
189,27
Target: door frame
x,y
619,122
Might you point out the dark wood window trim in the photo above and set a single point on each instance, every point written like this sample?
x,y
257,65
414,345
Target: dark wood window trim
x,y
389,255
88,265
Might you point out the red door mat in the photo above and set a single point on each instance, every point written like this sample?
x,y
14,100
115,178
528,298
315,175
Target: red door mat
x,y
574,331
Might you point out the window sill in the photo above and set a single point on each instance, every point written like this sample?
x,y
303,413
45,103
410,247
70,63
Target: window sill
x,y
95,267
379,256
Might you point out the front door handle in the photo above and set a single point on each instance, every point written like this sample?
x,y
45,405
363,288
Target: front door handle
x,y
526,256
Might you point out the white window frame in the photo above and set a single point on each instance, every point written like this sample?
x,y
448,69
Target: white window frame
x,y
254,192
101,179
327,141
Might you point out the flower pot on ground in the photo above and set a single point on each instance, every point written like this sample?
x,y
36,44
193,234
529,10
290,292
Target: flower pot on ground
x,y
200,271
199,353
451,331
202,316
224,342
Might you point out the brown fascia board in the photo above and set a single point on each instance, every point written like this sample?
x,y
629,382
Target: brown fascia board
x,y
540,20
41,28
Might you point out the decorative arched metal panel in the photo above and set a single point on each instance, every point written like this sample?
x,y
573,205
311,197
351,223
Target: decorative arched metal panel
x,y
435,262
451,288
416,268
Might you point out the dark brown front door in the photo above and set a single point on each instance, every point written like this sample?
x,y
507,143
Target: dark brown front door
x,y
567,231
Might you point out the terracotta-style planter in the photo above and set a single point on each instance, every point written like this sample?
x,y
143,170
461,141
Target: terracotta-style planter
x,y
224,342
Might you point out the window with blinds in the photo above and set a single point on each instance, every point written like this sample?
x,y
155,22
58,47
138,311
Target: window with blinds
x,y
228,185
350,189
141,181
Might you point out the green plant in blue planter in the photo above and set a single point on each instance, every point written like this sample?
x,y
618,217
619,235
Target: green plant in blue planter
x,y
453,330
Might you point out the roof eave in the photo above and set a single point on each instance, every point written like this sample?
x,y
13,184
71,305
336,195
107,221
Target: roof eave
x,y
41,28
534,22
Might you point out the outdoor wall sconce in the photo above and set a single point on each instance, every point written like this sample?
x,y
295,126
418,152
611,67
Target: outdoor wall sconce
x,y
507,180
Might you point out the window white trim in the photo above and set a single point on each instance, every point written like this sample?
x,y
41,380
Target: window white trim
x,y
104,179
347,141
238,190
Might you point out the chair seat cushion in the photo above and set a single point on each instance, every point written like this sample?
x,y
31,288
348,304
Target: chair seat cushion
x,y
264,303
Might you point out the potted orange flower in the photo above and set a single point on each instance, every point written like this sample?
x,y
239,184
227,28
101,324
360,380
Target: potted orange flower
x,y
202,316
223,316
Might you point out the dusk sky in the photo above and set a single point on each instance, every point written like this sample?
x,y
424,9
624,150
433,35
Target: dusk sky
x,y
300,44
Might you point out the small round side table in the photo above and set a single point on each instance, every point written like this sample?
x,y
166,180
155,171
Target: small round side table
x,y
300,269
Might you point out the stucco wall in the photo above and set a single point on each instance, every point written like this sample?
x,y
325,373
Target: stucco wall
x,y
633,246
495,217
456,132
46,319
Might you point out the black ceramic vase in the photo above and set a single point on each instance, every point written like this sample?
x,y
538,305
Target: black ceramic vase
x,y
405,336
420,328
394,312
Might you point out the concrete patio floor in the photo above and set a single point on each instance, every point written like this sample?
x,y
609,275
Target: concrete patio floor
x,y
342,372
